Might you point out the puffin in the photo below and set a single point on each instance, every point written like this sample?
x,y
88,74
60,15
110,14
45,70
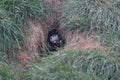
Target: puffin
x,y
54,40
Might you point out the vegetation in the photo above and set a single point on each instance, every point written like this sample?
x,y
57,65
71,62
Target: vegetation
x,y
69,65
13,15
6,72
99,16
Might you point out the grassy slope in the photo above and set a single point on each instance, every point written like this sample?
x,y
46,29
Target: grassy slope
x,y
13,15
101,16
69,65
82,65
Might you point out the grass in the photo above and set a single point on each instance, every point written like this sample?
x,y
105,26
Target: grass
x,y
22,10
92,15
70,65
5,73
101,16
14,14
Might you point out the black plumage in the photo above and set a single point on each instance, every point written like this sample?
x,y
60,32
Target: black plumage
x,y
54,40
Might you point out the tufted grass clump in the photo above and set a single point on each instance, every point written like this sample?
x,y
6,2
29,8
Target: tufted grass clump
x,y
14,15
7,71
101,17
69,65
92,15
22,10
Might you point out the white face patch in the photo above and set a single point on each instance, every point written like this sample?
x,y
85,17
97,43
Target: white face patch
x,y
54,38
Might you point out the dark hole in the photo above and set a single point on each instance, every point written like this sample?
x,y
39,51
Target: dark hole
x,y
54,40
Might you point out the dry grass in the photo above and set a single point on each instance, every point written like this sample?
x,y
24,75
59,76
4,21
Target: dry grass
x,y
80,41
23,58
35,43
36,40
36,35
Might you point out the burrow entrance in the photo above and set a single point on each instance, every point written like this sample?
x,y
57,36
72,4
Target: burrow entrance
x,y
55,40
